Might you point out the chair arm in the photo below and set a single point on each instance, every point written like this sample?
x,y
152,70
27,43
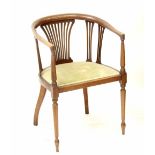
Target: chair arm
x,y
40,38
37,36
52,49
122,37
111,28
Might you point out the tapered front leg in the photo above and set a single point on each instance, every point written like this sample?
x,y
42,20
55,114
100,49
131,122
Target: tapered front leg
x,y
123,82
55,116
123,98
38,105
55,94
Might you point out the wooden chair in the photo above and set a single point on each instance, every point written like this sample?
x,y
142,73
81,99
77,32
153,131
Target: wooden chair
x,y
65,75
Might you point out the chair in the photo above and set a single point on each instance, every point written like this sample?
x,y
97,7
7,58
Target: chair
x,y
65,75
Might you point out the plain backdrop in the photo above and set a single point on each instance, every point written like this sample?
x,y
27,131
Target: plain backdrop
x,y
97,133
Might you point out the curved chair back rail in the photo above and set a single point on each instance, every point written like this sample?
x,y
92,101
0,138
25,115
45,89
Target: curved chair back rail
x,y
61,17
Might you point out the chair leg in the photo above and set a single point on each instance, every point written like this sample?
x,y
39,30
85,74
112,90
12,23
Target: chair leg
x,y
123,97
55,117
85,93
38,105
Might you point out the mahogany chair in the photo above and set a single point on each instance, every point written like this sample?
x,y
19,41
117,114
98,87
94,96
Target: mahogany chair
x,y
65,75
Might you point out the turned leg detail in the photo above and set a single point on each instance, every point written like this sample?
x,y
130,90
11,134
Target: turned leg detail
x,y
55,117
38,105
85,93
123,98
123,82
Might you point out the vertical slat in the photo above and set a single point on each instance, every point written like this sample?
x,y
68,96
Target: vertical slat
x,y
89,32
55,42
55,38
68,52
59,34
63,39
99,46
59,40
50,33
67,39
46,32
87,39
49,28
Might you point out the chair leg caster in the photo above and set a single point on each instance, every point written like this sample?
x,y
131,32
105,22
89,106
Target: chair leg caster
x,y
123,125
57,145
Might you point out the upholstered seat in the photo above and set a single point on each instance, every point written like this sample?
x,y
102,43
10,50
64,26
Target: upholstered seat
x,y
79,72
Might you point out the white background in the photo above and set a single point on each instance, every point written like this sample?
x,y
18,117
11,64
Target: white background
x,y
96,133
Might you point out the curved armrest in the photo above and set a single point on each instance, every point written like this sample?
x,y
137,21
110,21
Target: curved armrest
x,y
111,28
40,38
52,49
53,59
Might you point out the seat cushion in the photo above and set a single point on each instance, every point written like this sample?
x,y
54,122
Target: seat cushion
x,y
79,72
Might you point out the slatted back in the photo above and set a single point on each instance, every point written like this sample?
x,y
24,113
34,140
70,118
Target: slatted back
x,y
89,31
58,33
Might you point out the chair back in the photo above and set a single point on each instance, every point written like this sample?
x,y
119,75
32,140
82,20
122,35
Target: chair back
x,y
58,28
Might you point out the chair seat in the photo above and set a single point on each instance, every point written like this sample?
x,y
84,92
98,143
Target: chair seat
x,y
79,72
